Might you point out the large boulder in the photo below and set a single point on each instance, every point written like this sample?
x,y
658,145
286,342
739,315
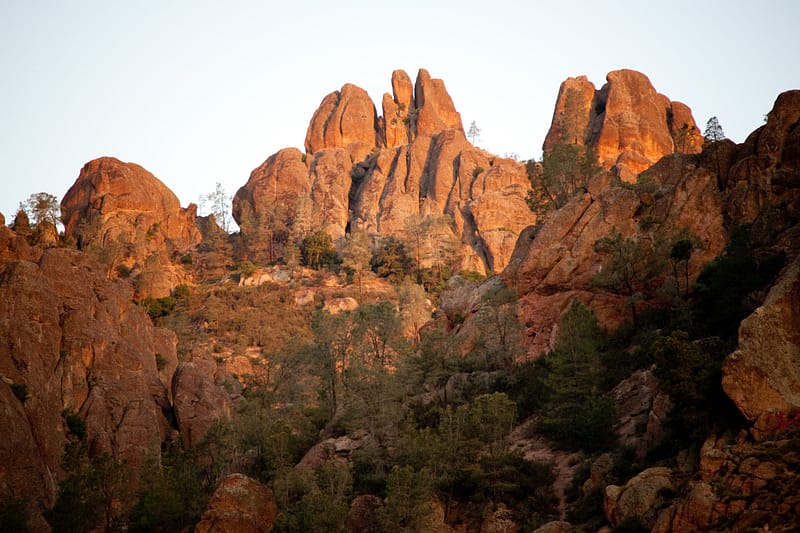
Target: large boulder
x,y
434,107
129,214
628,123
239,505
345,119
762,376
639,497
75,340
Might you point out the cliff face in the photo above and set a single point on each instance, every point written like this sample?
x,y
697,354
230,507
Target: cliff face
x,y
377,173
75,340
628,123
126,211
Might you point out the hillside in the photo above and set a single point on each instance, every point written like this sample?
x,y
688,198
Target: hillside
x,y
412,334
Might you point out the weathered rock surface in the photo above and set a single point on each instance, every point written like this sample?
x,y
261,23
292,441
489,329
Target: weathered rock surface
x,y
76,341
628,123
124,209
239,505
435,109
638,497
203,392
421,165
641,409
762,376
742,486
345,119
558,262
764,171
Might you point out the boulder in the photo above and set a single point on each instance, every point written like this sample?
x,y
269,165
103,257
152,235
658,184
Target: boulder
x,y
762,376
200,397
363,516
345,119
137,222
640,411
239,505
397,111
639,497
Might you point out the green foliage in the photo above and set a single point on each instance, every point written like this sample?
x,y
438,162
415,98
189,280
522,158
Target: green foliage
x,y
158,307
181,292
219,206
247,269
317,504
563,172
390,259
713,132
477,171
408,497
75,423
693,380
161,362
42,207
318,251
20,390
173,494
720,296
576,412
95,492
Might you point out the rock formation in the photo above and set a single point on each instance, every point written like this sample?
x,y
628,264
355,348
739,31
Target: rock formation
x,y
124,210
420,164
629,124
75,340
762,376
345,119
559,262
639,497
239,505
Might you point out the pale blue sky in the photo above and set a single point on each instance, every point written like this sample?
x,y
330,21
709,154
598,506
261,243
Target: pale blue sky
x,y
199,92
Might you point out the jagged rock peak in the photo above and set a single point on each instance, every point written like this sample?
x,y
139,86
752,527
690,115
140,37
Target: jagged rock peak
x,y
628,123
347,118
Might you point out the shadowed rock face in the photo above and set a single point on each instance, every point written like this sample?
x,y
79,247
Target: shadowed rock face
x,y
76,341
627,122
239,505
418,164
124,209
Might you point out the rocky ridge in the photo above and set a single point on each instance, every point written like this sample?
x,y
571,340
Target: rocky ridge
x,y
376,173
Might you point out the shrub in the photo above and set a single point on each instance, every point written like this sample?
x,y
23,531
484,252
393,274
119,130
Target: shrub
x,y
75,424
20,390
161,362
158,307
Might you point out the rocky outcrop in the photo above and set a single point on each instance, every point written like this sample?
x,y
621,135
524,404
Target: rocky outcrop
x,y
435,111
345,119
764,172
421,165
762,376
239,505
629,124
642,411
559,262
203,393
75,340
124,210
639,497
741,486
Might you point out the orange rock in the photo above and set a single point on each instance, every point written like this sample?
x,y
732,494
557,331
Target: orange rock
x,y
435,109
627,122
239,505
345,119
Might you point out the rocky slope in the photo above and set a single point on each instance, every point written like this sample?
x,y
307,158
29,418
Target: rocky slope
x,y
377,173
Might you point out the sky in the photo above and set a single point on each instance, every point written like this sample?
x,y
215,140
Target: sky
x,y
200,92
